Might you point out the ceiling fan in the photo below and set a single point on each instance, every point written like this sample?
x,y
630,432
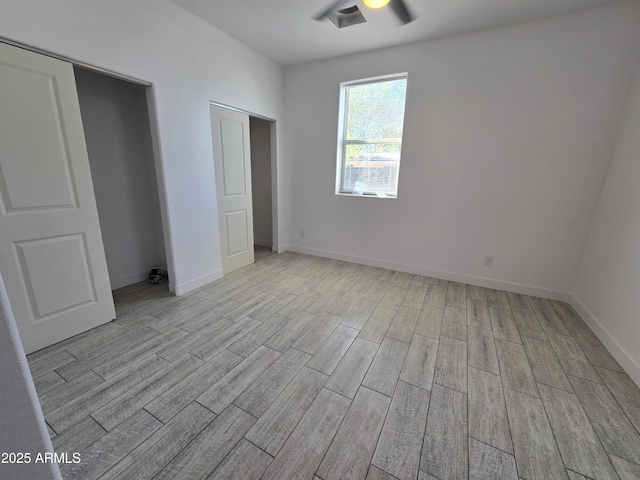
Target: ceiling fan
x,y
398,7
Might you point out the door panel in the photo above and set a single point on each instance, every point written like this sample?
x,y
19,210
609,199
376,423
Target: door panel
x,y
40,263
232,161
237,234
51,253
233,154
35,168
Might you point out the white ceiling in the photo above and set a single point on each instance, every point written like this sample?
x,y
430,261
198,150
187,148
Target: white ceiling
x,y
284,31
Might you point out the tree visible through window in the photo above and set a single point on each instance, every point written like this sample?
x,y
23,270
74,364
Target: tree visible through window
x,y
370,136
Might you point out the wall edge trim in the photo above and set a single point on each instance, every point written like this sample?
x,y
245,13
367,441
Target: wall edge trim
x,y
130,279
183,288
625,360
455,277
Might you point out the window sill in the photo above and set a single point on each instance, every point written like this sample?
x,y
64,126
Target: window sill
x,y
366,195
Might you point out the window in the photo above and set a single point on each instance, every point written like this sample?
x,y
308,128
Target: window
x,y
370,136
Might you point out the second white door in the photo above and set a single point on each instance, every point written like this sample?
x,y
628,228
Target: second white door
x,y
232,162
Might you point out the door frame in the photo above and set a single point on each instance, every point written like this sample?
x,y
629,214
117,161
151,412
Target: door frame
x,y
274,168
155,140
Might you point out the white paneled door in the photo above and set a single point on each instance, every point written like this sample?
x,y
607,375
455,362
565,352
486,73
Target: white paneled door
x,y
51,253
232,161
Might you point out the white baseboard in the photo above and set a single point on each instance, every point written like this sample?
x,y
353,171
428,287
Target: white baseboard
x,y
625,360
262,242
197,282
427,272
130,279
281,248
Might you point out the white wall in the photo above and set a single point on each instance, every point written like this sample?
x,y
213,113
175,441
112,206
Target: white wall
x,y
116,126
508,133
606,293
189,63
22,427
261,181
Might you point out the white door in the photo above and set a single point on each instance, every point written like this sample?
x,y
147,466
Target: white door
x,y
51,253
232,161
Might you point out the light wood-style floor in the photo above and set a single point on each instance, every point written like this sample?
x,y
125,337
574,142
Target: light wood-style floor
x,y
299,366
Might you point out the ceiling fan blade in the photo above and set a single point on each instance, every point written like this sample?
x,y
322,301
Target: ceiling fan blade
x,y
401,10
331,8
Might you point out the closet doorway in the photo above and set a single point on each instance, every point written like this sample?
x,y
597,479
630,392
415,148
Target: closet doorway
x,y
115,117
246,187
261,181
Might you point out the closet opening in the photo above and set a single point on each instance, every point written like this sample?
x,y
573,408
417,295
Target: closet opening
x,y
115,117
244,158
261,182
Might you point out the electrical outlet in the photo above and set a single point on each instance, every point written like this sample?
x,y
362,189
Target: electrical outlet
x,y
301,233
488,261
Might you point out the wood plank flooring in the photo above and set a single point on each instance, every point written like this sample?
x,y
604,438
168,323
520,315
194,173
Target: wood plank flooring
x,y
305,367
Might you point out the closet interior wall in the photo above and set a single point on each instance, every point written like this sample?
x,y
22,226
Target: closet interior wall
x,y
261,181
116,125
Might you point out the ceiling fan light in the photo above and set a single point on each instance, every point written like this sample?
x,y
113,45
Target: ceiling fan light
x,y
375,3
